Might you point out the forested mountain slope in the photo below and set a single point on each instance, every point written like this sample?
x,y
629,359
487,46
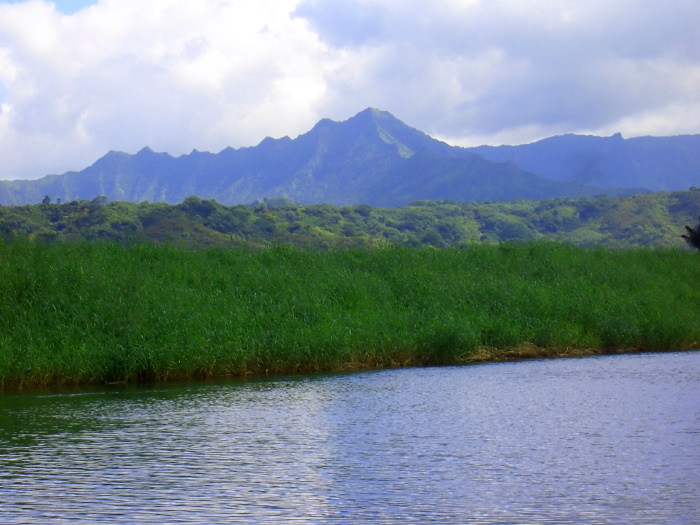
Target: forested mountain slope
x,y
372,158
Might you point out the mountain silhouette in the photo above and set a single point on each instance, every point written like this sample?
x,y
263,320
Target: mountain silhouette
x,y
372,158
656,163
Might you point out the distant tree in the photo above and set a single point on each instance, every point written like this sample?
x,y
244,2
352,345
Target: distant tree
x,y
692,237
277,202
100,200
433,238
363,209
46,200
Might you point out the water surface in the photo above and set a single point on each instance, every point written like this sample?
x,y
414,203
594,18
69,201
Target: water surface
x,y
612,439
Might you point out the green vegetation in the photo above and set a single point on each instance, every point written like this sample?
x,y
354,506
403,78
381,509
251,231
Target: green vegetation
x,y
95,312
642,220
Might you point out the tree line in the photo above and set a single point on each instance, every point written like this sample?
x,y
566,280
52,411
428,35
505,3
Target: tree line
x,y
657,219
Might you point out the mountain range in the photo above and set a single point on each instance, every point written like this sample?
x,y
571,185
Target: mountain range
x,y
655,163
374,158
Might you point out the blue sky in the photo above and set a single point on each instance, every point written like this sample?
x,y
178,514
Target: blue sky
x,y
178,75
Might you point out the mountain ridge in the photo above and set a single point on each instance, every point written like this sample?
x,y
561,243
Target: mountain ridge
x,y
371,158
656,163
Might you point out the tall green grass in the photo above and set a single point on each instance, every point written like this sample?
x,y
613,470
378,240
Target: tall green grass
x,y
98,312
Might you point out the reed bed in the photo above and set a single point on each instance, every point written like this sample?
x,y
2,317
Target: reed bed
x,y
101,312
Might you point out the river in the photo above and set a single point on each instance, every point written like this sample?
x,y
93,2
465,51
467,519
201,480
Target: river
x,y
611,439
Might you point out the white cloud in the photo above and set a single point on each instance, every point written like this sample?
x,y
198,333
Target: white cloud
x,y
177,75
511,71
174,75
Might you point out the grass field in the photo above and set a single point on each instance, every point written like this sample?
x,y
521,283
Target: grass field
x,y
104,312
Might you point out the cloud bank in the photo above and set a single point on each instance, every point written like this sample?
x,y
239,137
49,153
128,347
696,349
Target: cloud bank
x,y
178,75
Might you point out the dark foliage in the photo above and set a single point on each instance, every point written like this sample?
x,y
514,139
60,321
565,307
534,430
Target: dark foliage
x,y
692,236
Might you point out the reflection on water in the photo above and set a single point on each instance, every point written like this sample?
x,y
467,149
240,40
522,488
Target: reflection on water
x,y
596,440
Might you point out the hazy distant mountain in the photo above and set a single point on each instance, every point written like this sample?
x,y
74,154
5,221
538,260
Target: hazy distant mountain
x,y
657,163
372,158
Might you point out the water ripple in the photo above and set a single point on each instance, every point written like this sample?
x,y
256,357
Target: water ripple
x,y
586,441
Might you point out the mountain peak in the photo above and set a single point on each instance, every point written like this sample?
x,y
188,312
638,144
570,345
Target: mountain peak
x,y
376,116
375,158
376,113
407,139
146,153
376,125
367,118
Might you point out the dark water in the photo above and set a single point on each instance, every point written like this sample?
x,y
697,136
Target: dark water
x,y
596,440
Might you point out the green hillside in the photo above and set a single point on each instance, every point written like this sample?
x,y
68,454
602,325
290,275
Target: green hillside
x,y
657,219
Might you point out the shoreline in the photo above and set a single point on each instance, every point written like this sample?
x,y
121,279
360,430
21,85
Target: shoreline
x,y
528,352
482,356
487,355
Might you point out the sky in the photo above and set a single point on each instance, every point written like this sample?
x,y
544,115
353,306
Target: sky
x,y
79,78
